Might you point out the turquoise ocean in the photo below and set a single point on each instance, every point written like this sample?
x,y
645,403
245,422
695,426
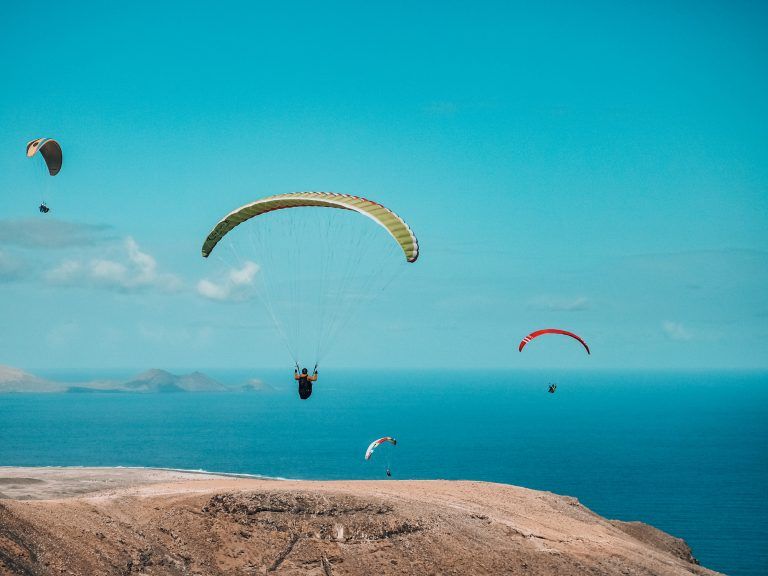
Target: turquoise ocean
x,y
685,452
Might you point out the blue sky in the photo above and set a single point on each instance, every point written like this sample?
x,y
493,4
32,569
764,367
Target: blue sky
x,y
599,167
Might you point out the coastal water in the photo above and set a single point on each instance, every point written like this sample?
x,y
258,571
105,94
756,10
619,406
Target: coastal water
x,y
685,452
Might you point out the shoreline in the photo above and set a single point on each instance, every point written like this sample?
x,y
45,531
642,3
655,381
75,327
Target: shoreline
x,y
200,471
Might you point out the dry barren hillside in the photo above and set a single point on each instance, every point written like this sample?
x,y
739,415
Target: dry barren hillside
x,y
118,521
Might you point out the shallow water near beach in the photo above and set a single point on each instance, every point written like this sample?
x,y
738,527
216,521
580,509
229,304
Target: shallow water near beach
x,y
685,452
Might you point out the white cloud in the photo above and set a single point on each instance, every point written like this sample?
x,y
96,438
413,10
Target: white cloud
x,y
65,272
676,331
51,233
208,289
559,304
237,284
10,268
131,270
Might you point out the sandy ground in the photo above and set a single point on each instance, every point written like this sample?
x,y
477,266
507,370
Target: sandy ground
x,y
53,483
138,521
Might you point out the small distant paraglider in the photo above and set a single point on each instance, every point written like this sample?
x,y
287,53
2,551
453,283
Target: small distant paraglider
x,y
552,388
534,335
49,155
50,150
375,444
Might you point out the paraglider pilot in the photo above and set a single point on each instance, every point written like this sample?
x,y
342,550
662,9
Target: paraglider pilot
x,y
305,382
44,209
552,388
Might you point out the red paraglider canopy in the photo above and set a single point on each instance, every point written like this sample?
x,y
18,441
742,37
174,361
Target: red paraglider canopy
x,y
538,333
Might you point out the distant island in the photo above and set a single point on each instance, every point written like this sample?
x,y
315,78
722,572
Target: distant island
x,y
15,380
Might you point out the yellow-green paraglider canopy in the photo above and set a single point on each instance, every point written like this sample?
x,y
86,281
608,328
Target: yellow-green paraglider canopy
x,y
387,219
